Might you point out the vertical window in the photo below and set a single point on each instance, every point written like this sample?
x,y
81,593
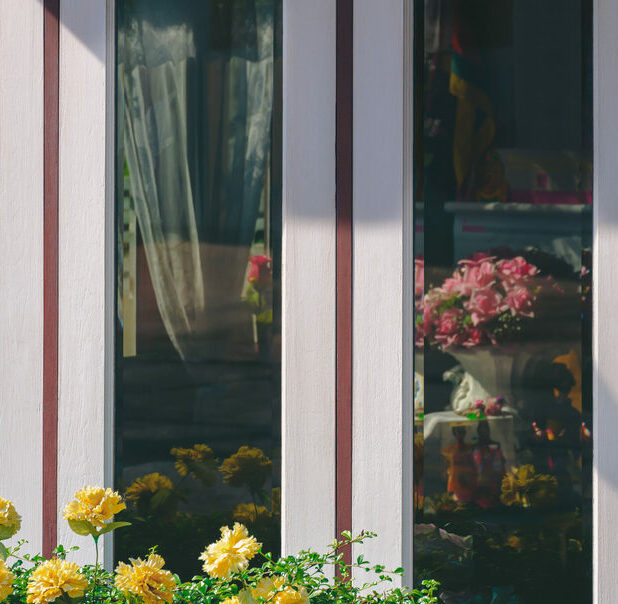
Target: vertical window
x,y
197,389
502,359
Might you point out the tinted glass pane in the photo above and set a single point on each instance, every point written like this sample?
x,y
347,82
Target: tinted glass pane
x,y
197,400
503,396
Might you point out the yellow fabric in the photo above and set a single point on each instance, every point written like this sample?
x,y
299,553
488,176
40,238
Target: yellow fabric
x,y
469,143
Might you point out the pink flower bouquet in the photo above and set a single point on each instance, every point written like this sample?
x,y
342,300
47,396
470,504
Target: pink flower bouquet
x,y
484,301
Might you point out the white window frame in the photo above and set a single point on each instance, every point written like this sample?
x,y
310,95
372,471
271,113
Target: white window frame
x,y
382,233
86,264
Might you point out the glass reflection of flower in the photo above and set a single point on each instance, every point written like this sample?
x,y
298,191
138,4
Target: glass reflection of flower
x,y
523,487
162,511
259,292
147,485
483,302
198,461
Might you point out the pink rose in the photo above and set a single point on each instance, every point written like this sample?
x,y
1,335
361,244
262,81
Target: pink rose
x,y
484,304
457,286
474,337
519,300
448,327
470,276
261,271
419,276
431,301
516,269
482,275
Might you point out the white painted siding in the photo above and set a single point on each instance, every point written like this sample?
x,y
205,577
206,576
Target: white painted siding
x,y
21,260
378,277
81,453
308,513
605,353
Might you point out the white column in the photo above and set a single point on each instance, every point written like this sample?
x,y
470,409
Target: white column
x,y
378,463
21,260
605,279
82,257
308,513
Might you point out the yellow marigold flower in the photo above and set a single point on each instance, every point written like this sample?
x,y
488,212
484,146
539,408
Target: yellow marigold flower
x,y
146,579
6,581
248,466
523,487
231,553
54,578
150,483
275,501
246,513
188,461
10,520
275,591
95,505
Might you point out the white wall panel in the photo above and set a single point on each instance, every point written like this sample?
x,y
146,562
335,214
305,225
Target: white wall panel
x,y
308,512
378,277
605,353
82,309
21,260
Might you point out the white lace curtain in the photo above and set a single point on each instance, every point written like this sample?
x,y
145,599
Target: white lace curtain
x,y
197,86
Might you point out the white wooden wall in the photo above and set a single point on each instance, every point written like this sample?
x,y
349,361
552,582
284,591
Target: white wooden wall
x,y
378,462
82,256
605,279
308,491
21,260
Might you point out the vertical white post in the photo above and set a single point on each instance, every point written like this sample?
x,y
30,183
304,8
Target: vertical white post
x,y
605,294
82,266
21,260
378,462
308,363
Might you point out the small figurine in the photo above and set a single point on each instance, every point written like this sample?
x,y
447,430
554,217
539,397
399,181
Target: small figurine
x,y
490,468
461,470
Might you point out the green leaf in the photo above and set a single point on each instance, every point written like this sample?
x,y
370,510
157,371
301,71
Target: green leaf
x,y
204,471
4,553
159,498
6,531
82,527
108,528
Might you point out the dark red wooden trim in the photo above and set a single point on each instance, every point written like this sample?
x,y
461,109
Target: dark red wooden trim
x,y
344,99
50,274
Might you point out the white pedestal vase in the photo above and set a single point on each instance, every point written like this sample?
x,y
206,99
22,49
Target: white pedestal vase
x,y
492,371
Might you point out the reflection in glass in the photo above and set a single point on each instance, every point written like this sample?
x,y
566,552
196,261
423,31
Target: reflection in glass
x,y
502,364
197,401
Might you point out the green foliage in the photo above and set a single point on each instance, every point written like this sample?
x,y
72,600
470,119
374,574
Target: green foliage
x,y
312,571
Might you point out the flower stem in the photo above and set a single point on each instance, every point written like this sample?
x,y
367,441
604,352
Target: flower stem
x,y
96,562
